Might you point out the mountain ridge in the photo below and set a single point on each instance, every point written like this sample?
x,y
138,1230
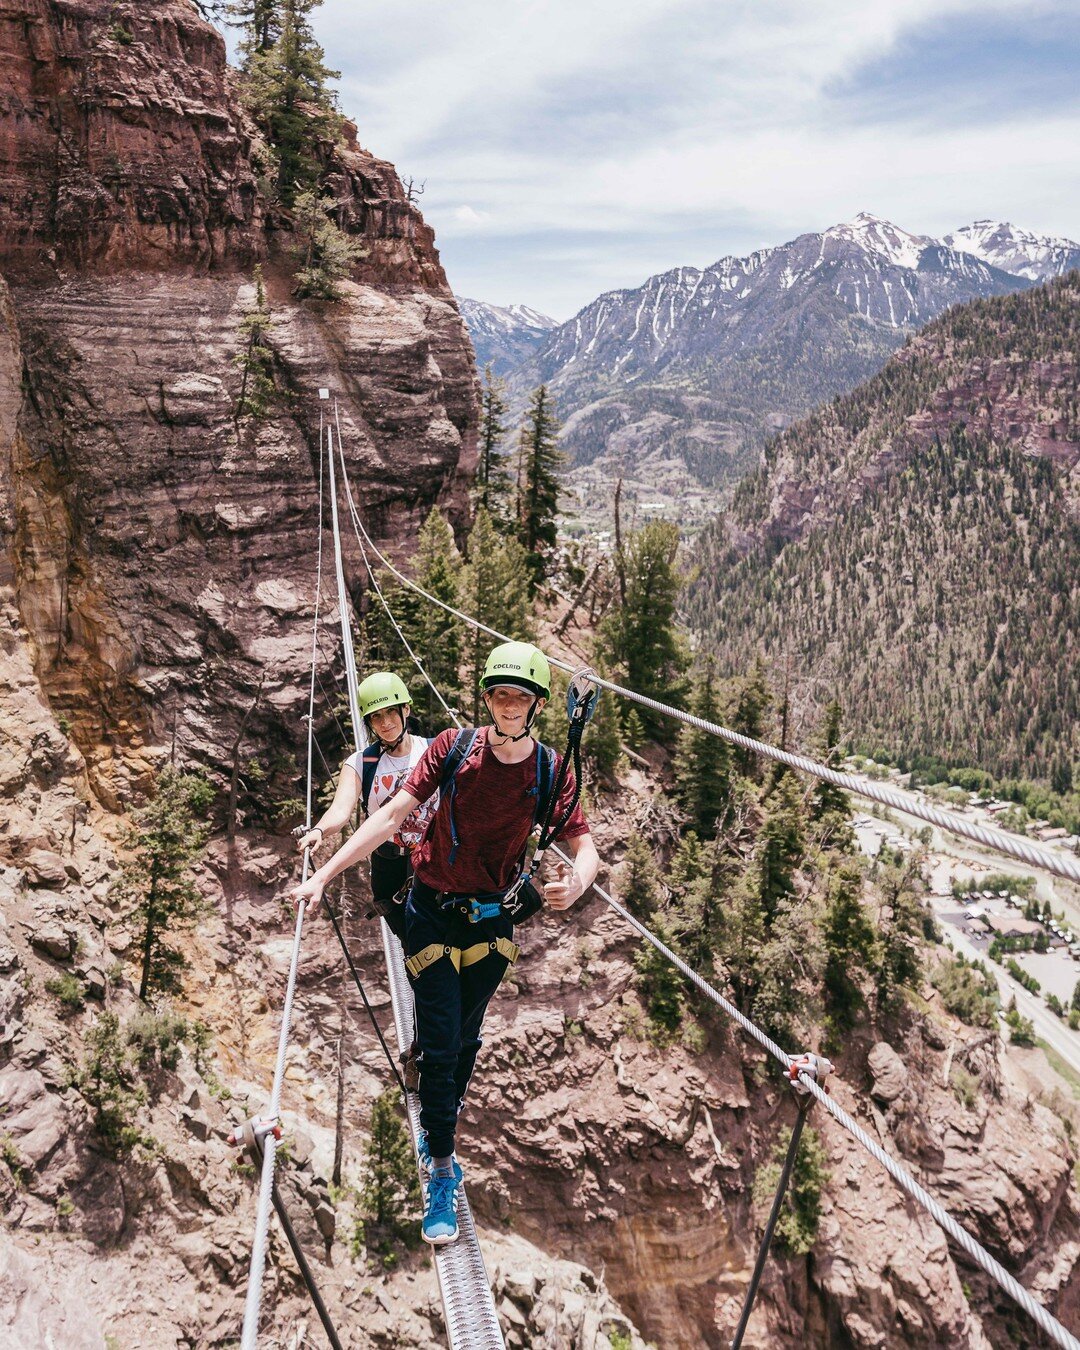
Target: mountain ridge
x,y
700,366
916,543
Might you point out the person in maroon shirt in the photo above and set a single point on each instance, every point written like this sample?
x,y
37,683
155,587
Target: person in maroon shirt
x,y
470,855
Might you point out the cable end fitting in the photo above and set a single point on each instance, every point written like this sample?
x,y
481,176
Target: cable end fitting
x,y
252,1132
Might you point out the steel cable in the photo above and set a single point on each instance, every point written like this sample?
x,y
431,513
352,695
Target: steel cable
x,y
1060,864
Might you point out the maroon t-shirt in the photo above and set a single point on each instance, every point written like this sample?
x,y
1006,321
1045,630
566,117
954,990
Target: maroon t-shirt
x,y
494,805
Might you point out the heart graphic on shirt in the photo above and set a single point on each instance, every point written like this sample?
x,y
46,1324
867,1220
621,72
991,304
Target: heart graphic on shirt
x,y
387,780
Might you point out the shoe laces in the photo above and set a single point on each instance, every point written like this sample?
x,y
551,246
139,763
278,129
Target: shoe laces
x,y
442,1193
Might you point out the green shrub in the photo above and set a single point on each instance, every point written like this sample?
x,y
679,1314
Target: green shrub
x,y
967,991
157,1038
796,1228
965,1085
68,990
106,1080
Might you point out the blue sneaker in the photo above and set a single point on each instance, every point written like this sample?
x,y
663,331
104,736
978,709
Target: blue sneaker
x,y
440,1224
423,1152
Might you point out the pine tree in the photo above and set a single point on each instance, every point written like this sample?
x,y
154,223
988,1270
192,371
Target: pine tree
x,y
850,946
382,647
703,764
780,844
829,802
256,359
639,879
741,933
439,637
325,251
641,638
493,481
693,908
286,86
659,983
901,925
390,1188
494,589
538,508
167,836
259,21
749,719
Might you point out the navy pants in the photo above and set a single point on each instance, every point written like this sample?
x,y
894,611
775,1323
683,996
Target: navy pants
x,y
450,1007
388,875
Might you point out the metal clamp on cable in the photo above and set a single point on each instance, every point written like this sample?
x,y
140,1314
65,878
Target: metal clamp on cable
x,y
252,1132
816,1067
582,696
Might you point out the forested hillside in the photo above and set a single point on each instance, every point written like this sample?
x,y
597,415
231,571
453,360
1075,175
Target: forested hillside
x,y
915,546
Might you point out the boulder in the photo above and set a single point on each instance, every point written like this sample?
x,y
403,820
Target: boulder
x,y
44,868
890,1073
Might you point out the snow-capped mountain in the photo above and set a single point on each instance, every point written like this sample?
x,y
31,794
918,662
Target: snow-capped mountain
x,y
504,336
1036,257
865,269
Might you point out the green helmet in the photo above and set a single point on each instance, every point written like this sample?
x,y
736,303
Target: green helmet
x,y
381,690
520,664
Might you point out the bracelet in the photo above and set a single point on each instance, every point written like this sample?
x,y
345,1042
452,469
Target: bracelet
x,y
320,829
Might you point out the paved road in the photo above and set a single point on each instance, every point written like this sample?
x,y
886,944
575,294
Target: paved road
x,y
1050,1028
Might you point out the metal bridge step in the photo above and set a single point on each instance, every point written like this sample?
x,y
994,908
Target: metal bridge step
x,y
468,1305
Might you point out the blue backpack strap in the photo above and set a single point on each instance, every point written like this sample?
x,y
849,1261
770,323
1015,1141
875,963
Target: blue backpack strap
x,y
456,756
545,780
369,762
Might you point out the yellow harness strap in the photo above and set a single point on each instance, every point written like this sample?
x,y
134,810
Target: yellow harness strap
x,y
435,951
503,946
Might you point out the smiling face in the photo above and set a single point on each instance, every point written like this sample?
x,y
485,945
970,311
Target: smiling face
x,y
389,723
510,707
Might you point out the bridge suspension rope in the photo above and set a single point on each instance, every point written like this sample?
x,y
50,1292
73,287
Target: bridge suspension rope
x,y
265,1133
807,1080
1060,864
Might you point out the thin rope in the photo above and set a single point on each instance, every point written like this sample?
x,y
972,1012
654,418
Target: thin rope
x,y
355,519
253,1301
1060,864
359,735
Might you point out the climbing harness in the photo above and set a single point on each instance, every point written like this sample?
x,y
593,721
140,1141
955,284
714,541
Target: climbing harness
x,y
461,957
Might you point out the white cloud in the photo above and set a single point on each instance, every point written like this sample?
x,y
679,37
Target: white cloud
x,y
650,117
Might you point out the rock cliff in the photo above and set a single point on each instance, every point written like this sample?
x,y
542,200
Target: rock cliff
x,y
156,585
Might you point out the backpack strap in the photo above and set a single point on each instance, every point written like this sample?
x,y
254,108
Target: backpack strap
x,y
369,762
456,756
545,780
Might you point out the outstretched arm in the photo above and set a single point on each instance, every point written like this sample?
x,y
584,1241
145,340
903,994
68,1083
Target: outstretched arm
x,y
571,886
376,830
339,812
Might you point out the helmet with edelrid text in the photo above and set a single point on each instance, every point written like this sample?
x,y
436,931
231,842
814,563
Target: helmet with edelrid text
x,y
380,691
521,665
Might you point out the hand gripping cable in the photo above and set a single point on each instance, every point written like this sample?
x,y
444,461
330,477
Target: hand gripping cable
x,y
523,900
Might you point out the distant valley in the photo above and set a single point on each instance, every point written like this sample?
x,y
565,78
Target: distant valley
x,y
676,386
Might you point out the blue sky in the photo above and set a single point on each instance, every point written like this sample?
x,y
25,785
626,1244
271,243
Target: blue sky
x,y
572,146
